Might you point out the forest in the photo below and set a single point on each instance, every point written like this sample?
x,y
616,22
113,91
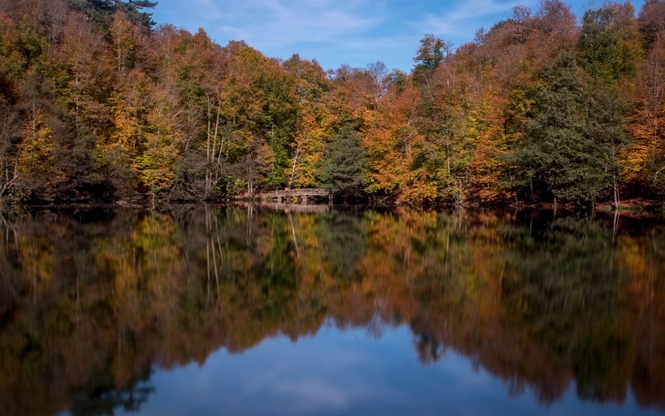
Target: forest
x,y
98,104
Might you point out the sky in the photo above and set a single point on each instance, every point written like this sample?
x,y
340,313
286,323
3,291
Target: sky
x,y
337,32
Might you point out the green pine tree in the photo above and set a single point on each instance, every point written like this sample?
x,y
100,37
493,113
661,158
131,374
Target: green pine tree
x,y
346,163
567,151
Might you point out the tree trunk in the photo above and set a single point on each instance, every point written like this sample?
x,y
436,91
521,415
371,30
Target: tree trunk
x,y
293,170
617,202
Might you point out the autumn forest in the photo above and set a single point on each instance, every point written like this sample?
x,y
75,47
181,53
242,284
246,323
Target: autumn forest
x,y
97,104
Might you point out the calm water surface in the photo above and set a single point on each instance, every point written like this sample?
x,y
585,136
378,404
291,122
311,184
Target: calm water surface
x,y
252,311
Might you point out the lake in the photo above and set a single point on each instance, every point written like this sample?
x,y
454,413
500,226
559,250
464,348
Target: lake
x,y
208,310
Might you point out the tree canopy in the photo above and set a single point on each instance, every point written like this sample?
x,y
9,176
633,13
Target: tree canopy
x,y
99,105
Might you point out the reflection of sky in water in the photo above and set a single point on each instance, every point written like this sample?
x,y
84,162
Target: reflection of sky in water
x,y
347,373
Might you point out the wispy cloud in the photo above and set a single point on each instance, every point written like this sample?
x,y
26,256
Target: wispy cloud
x,y
387,42
462,20
207,10
480,8
269,23
337,32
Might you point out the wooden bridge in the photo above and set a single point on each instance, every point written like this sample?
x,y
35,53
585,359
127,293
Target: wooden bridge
x,y
301,195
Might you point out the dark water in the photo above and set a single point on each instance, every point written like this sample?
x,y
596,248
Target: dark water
x,y
201,310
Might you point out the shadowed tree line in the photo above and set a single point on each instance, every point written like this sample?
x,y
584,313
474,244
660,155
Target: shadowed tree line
x,y
96,104
92,302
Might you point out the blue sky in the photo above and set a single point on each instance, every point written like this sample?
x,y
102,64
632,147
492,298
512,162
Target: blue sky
x,y
336,32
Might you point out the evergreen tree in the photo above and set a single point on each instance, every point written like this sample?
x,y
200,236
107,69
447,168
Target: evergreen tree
x,y
346,164
101,11
568,137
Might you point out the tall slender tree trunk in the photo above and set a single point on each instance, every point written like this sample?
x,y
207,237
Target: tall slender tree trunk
x,y
208,144
9,182
293,169
617,201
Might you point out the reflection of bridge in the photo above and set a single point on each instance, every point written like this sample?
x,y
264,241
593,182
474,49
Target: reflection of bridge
x,y
308,209
293,195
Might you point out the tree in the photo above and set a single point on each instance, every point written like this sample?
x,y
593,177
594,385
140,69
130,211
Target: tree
x,y
643,160
380,77
392,140
8,138
430,54
566,154
85,77
315,121
11,63
651,21
126,43
488,170
193,75
443,115
345,164
258,109
609,44
101,11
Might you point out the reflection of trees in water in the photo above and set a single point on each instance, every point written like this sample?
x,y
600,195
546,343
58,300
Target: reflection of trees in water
x,y
537,303
103,398
343,240
428,347
563,291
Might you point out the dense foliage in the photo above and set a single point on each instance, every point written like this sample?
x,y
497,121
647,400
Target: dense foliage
x,y
98,105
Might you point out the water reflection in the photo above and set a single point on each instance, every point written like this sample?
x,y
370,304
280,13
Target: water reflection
x,y
92,302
